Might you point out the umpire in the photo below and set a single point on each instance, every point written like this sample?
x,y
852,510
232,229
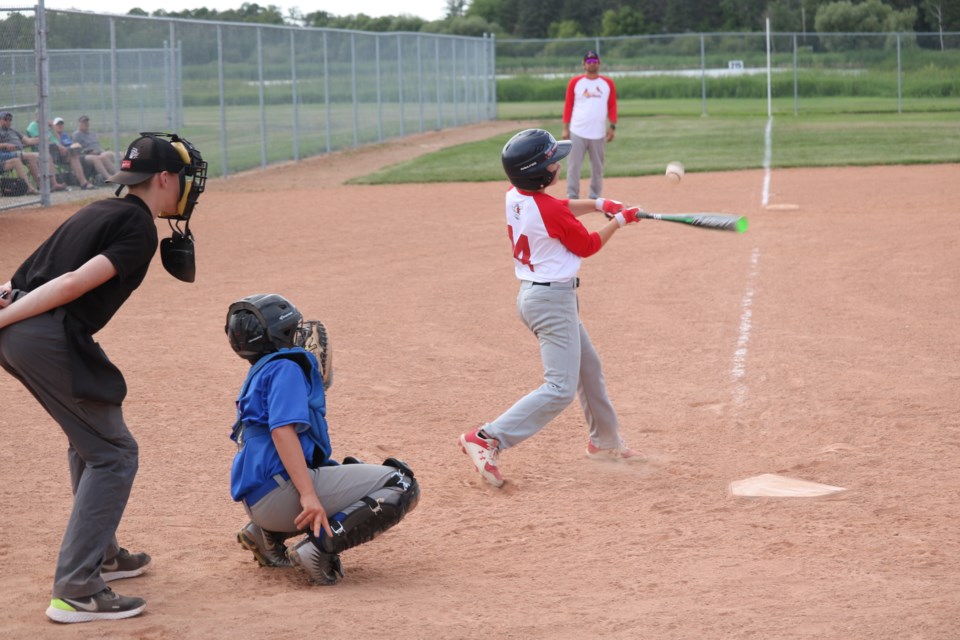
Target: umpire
x,y
63,294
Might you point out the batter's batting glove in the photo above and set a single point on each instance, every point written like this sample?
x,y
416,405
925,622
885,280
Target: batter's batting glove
x,y
628,215
609,207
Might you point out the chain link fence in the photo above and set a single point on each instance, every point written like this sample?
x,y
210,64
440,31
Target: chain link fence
x,y
247,95
894,68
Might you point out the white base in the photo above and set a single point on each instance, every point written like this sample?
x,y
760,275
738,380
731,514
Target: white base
x,y
771,485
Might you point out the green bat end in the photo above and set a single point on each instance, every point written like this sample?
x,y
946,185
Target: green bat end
x,y
742,225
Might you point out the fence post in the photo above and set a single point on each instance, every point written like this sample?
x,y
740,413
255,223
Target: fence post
x,y
376,41
171,79
43,96
326,89
455,82
420,78
436,53
263,110
796,92
400,79
223,102
113,87
492,79
899,78
353,88
293,95
703,75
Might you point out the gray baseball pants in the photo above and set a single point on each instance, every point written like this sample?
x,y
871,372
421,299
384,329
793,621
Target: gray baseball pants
x,y
337,487
597,151
571,368
102,453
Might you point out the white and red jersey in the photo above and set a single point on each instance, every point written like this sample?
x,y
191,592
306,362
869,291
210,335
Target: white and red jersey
x,y
548,241
588,106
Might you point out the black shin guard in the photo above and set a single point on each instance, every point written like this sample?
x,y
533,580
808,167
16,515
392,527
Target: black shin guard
x,y
370,516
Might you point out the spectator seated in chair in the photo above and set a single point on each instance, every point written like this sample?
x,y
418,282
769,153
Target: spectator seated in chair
x,y
33,138
65,151
12,140
91,153
10,161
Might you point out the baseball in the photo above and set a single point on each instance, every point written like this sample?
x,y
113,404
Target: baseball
x,y
674,171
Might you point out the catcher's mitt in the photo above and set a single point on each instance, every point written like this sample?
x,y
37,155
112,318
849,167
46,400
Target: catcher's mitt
x,y
312,336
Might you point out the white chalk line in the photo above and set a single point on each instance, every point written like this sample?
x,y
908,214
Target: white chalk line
x,y
739,370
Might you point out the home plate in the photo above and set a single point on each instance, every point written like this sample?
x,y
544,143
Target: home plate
x,y
782,207
772,485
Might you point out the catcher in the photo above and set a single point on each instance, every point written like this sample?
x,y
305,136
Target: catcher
x,y
283,472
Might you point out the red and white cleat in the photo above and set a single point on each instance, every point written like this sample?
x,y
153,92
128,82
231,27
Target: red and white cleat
x,y
484,454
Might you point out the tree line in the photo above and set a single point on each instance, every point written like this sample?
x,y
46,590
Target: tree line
x,y
606,18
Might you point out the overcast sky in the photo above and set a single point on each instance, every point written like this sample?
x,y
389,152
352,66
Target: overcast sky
x,y
426,9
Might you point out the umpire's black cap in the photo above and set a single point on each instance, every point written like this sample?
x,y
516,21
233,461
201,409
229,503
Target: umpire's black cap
x,y
146,156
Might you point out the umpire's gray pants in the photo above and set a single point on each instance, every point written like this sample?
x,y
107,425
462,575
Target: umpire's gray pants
x,y
597,151
338,487
102,453
571,367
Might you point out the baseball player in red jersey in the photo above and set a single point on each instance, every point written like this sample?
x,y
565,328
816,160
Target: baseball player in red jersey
x,y
589,121
549,243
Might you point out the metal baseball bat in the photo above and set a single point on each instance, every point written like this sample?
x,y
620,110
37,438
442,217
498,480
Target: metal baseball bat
x,y
719,221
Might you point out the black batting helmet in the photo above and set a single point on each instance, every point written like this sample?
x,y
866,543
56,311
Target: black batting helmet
x,y
261,324
527,155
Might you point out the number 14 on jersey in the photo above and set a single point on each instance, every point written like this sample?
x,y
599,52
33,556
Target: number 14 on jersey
x,y
521,248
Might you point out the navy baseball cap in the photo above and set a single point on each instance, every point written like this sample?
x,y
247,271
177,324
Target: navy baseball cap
x,y
591,55
146,156
5,115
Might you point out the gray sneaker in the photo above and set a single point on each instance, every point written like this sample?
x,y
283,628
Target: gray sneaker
x,y
318,566
105,605
267,546
124,565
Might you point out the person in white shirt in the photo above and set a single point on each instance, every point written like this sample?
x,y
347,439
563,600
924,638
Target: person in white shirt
x,y
589,121
549,243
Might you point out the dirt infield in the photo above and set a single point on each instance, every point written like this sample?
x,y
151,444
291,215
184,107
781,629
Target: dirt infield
x,y
821,345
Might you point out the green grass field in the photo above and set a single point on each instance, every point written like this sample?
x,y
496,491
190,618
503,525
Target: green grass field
x,y
731,137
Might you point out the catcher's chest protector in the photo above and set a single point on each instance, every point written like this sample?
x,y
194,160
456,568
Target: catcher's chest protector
x,y
316,399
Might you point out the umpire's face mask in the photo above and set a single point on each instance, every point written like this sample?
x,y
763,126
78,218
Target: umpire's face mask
x,y
177,256
176,252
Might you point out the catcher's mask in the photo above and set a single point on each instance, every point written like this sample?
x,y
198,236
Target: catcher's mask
x,y
527,155
261,324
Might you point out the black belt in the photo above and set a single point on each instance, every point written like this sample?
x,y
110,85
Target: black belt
x,y
547,284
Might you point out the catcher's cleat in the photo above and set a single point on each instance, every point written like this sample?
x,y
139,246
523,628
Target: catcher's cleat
x,y
267,547
319,567
484,454
124,565
623,452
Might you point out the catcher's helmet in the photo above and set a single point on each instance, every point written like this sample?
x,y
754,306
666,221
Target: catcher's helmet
x,y
261,324
527,155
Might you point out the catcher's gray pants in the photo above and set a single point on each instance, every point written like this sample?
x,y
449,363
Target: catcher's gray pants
x,y
102,454
597,151
571,367
338,487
